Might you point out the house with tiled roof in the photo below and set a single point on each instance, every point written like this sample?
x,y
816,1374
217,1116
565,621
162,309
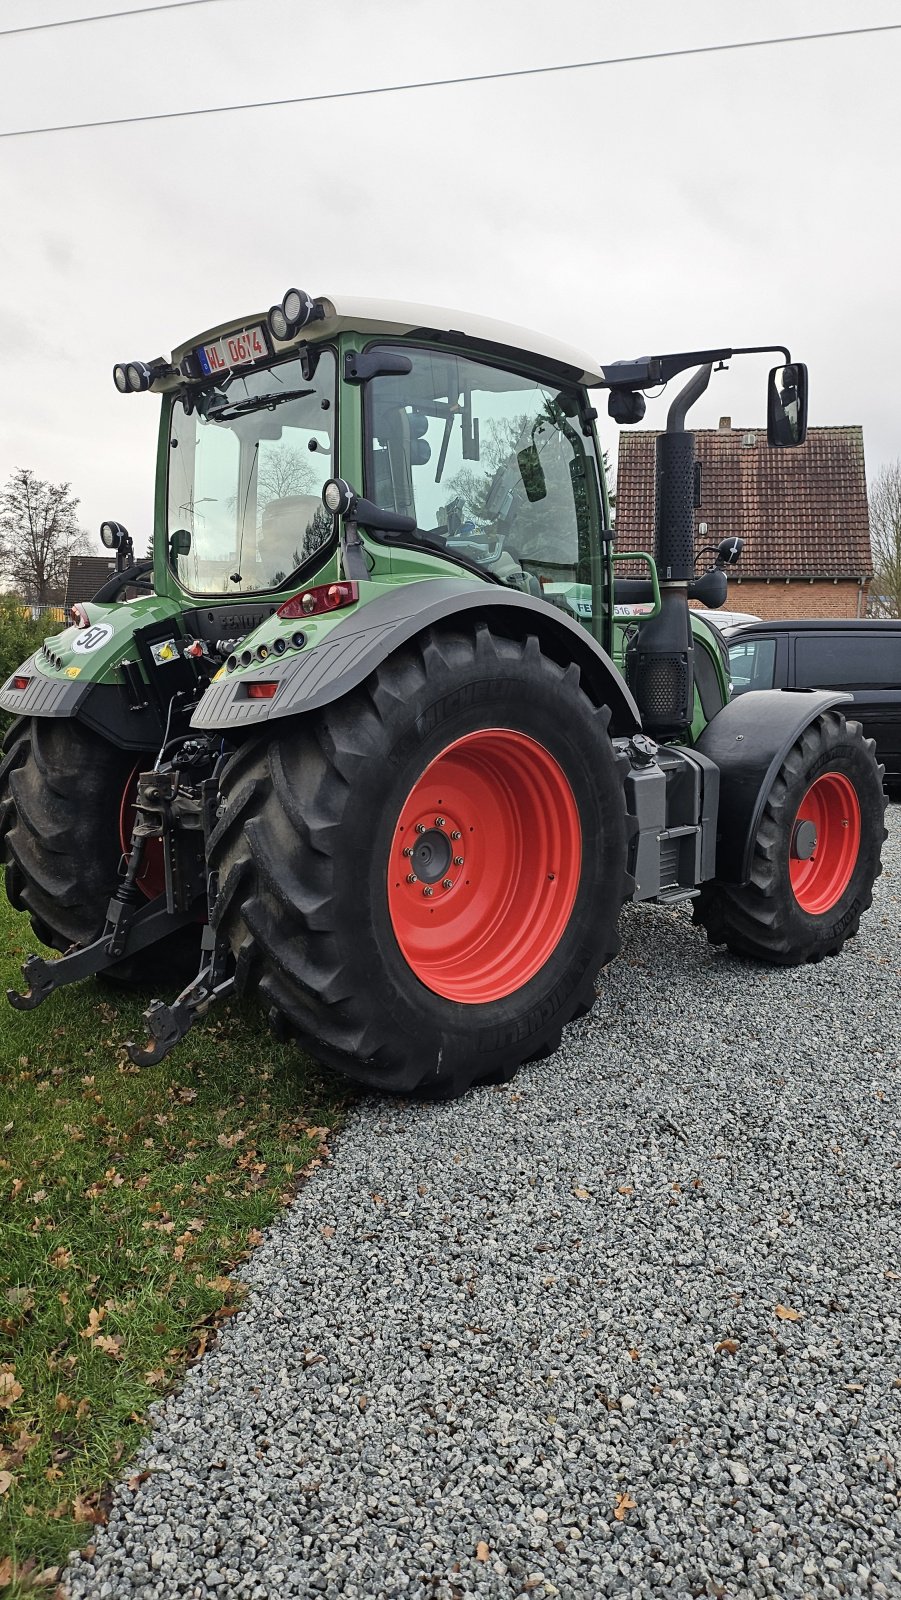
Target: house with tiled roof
x,y
87,574
802,514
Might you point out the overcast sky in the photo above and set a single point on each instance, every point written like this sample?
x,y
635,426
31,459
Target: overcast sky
x,y
728,199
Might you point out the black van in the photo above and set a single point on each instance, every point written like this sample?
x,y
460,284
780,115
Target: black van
x,y
862,657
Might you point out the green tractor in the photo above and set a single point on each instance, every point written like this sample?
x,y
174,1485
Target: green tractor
x,y
387,741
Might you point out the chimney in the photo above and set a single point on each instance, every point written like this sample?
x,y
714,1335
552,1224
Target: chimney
x,y
725,422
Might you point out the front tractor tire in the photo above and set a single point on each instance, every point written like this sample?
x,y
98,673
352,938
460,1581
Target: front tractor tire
x,y
65,819
422,880
816,855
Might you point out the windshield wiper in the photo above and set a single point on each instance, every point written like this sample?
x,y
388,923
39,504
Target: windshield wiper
x,y
256,402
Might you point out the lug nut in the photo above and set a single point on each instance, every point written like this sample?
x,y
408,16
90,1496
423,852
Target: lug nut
x,y
447,883
458,861
455,834
439,822
427,892
420,827
411,877
408,850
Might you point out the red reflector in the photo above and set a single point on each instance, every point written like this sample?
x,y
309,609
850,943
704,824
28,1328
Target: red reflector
x,y
322,597
261,691
19,682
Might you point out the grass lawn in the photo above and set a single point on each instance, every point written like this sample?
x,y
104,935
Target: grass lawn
x,y
127,1195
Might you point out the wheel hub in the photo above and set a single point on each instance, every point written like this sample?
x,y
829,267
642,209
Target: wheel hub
x,y
431,856
804,840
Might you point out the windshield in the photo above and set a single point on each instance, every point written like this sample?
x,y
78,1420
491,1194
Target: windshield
x,y
493,465
246,470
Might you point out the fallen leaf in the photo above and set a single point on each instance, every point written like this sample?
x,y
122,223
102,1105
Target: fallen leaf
x,y
61,1257
634,1355
86,1509
855,1388
21,1300
110,1344
624,1504
327,1233
254,1236
44,1578
729,1347
222,1284
787,1314
95,1318
155,1378
38,1196
82,1409
53,1474
136,1479
625,1188
6,1571
63,1403
482,1551
10,1389
363,1402
6,1481
378,1199
229,1140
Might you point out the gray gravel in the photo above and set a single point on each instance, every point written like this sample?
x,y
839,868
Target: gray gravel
x,y
490,1320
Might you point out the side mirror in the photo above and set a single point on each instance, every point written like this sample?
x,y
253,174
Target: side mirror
x,y
626,406
786,411
180,543
112,534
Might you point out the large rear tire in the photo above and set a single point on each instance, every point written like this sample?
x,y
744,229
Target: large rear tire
x,y
422,881
61,801
816,855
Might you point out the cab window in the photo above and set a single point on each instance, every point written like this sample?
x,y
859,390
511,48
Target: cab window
x,y
492,464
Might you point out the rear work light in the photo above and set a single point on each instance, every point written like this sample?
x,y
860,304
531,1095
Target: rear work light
x,y
261,691
323,597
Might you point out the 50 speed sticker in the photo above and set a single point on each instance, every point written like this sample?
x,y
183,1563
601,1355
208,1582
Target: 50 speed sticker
x,y
92,638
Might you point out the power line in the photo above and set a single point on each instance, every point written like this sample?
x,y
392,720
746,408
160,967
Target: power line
x,y
107,16
444,83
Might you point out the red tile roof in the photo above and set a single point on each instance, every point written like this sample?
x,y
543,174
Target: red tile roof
x,y
802,513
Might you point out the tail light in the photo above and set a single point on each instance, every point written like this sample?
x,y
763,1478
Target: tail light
x,y
261,691
321,598
19,682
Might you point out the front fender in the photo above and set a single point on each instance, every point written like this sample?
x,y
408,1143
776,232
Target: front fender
x,y
749,740
327,671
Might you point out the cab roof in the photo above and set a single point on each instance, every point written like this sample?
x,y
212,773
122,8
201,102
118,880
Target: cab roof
x,y
463,329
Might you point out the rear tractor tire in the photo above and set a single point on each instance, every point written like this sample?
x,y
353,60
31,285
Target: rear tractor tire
x,y
422,880
816,855
64,803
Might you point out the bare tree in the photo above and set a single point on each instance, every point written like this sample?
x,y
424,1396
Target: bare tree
x,y
885,535
285,471
38,533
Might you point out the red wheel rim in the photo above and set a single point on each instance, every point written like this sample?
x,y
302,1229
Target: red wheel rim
x,y
484,866
151,879
821,873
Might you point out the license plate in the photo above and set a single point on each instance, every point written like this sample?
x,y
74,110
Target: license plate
x,y
234,350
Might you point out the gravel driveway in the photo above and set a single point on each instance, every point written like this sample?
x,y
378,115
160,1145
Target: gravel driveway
x,y
627,1326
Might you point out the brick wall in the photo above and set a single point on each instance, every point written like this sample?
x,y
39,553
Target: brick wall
x,y
804,599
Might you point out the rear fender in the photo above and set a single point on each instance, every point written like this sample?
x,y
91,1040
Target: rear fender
x,y
327,671
749,740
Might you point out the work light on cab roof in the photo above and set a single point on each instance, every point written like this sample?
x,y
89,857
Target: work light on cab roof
x,y
296,310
